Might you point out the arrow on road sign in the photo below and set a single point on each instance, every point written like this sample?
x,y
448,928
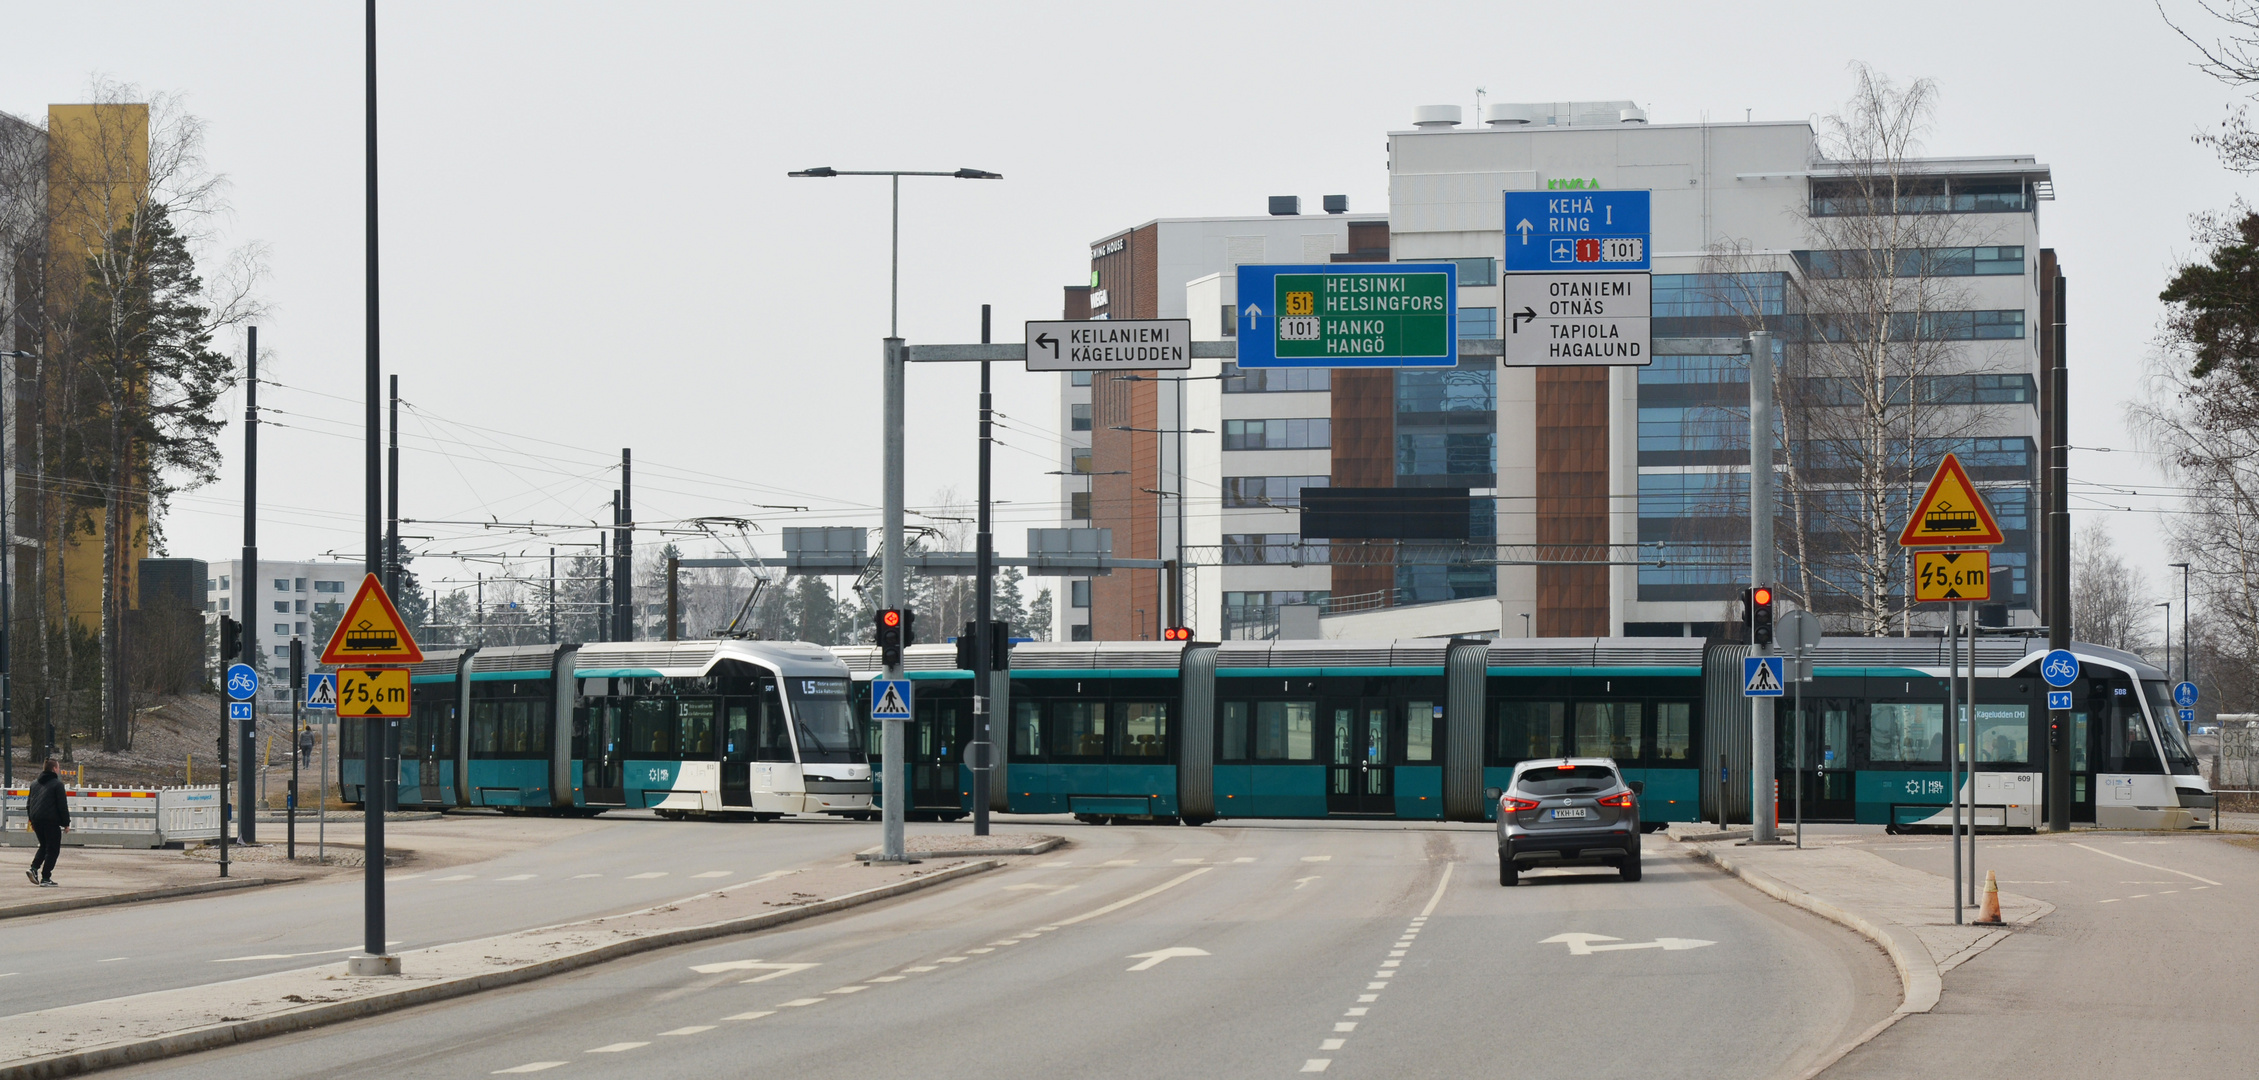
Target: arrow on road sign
x,y
1154,958
1527,314
1049,342
774,970
1582,944
1524,228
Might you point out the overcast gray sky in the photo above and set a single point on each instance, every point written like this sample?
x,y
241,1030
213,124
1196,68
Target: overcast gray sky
x,y
589,241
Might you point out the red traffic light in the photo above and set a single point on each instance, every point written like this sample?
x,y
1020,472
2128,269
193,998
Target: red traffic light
x,y
1761,596
1177,633
890,618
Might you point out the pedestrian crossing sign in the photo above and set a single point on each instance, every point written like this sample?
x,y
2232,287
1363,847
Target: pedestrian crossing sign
x,y
321,690
890,699
1761,676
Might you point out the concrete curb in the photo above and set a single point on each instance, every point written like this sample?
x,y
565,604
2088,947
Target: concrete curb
x,y
1037,848
49,907
214,1036
1917,973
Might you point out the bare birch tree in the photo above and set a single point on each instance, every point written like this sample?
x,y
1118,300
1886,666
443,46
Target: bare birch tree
x,y
2111,603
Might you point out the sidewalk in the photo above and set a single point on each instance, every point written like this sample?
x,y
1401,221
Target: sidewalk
x,y
105,1034
97,877
1907,912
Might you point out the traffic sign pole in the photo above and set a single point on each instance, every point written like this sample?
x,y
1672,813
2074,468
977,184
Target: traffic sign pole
x,y
894,784
1952,743
1761,769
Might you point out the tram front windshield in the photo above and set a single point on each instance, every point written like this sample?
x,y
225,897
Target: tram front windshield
x,y
823,719
2179,760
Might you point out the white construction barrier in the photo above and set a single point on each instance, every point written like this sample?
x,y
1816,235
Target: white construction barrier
x,y
125,816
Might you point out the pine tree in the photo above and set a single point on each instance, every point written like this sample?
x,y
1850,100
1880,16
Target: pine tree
x,y
1039,616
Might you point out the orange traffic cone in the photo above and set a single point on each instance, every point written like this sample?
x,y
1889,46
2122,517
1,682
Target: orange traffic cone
x,y
1989,914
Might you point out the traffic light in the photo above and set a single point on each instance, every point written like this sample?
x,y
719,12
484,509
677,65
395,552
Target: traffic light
x,y
231,641
909,628
1177,633
888,634
298,664
966,642
1761,615
999,647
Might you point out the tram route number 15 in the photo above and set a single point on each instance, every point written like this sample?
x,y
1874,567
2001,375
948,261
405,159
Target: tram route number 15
x,y
375,692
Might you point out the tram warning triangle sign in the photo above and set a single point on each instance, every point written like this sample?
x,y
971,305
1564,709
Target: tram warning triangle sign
x,y
1951,513
372,631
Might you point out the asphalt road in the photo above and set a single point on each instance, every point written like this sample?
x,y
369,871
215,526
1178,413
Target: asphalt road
x,y
571,870
1218,951
2144,968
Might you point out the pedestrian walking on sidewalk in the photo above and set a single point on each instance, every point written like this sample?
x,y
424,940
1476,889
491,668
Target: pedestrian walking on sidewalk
x,y
305,744
49,810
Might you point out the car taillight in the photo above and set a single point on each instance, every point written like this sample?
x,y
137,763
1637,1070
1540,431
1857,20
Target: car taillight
x,y
1513,804
1622,801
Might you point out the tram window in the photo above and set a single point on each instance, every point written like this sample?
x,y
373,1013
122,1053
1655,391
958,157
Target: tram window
x,y
1145,730
2004,733
1420,718
1530,729
650,729
484,732
1286,730
2126,746
354,739
2078,743
694,727
1234,731
1080,730
1608,729
2178,759
773,742
580,731
737,728
1903,732
524,727
1674,730
1027,730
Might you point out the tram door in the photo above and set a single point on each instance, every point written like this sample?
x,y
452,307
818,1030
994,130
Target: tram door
x,y
933,743
1828,777
604,770
737,752
1360,781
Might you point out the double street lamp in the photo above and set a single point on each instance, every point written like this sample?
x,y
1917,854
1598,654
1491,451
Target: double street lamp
x,y
895,361
7,571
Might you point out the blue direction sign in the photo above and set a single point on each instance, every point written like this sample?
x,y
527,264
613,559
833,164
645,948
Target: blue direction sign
x,y
2059,668
1349,315
2059,700
2188,719
239,710
1761,676
1552,231
242,682
2184,695
890,699
321,690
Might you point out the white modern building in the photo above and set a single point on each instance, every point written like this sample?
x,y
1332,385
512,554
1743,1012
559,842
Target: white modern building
x,y
284,602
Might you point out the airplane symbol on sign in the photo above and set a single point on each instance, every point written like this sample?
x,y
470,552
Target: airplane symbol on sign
x,y
1564,251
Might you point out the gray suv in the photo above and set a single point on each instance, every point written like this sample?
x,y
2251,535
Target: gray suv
x,y
1568,812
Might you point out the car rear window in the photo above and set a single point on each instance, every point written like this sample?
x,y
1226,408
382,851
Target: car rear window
x,y
1574,780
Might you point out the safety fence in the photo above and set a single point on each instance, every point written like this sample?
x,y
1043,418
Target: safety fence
x,y
124,816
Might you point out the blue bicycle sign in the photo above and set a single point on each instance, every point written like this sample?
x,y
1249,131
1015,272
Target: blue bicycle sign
x,y
2059,668
2184,695
242,682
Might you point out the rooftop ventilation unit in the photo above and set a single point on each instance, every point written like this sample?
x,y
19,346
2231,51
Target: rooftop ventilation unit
x,y
1337,204
1507,114
1436,117
1631,116
1286,205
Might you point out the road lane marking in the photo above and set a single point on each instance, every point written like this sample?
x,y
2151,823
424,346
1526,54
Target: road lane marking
x,y
1120,904
1368,997
456,877
952,959
1316,1064
2112,900
577,877
888,978
1188,862
848,990
111,960
618,1047
691,1030
1317,858
290,955
1583,944
2148,866
1153,959
1345,1025
1006,941
977,952
1396,952
647,875
1119,862
1438,897
774,970
528,1067
519,877
1332,1044
1376,986
798,1002
752,1015
2138,896
1356,1011
1244,858
1301,881
714,873
928,967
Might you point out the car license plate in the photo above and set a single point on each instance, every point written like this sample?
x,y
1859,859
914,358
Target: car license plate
x,y
1570,812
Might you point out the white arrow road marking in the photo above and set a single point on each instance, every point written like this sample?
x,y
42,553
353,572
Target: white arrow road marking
x,y
1052,889
1582,944
1154,958
1301,881
286,955
774,970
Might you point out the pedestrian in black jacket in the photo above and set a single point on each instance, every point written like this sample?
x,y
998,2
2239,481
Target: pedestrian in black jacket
x,y
49,809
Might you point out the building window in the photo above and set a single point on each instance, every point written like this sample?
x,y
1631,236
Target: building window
x,y
223,603
282,584
301,629
1920,195
282,629
1271,549
1282,492
1079,460
1078,593
1737,296
1078,378
224,587
1078,417
1238,380
282,650
1482,271
1298,434
1078,506
1914,262
333,608
329,586
1478,322
210,584
282,606
1079,632
210,606
1227,321
1447,454
1464,389
301,608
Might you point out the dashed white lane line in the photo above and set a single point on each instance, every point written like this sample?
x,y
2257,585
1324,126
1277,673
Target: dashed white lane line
x,y
529,1067
2147,866
1119,862
1316,1064
752,1015
617,1047
1317,858
888,978
1244,859
647,875
2113,900
1332,1044
977,952
1345,1025
1127,901
519,877
798,1002
714,873
456,877
1357,1011
1188,862
577,877
952,959
691,1030
922,969
848,990
111,960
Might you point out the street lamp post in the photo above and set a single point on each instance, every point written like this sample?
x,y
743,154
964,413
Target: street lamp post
x,y
7,580
2187,640
895,358
1176,603
2168,606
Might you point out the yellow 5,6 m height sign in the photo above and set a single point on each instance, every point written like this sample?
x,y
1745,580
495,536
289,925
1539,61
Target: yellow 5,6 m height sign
x,y
373,692
1945,576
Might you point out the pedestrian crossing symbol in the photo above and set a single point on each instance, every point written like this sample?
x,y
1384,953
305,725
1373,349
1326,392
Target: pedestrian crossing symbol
x,y
372,631
1761,676
321,690
890,699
